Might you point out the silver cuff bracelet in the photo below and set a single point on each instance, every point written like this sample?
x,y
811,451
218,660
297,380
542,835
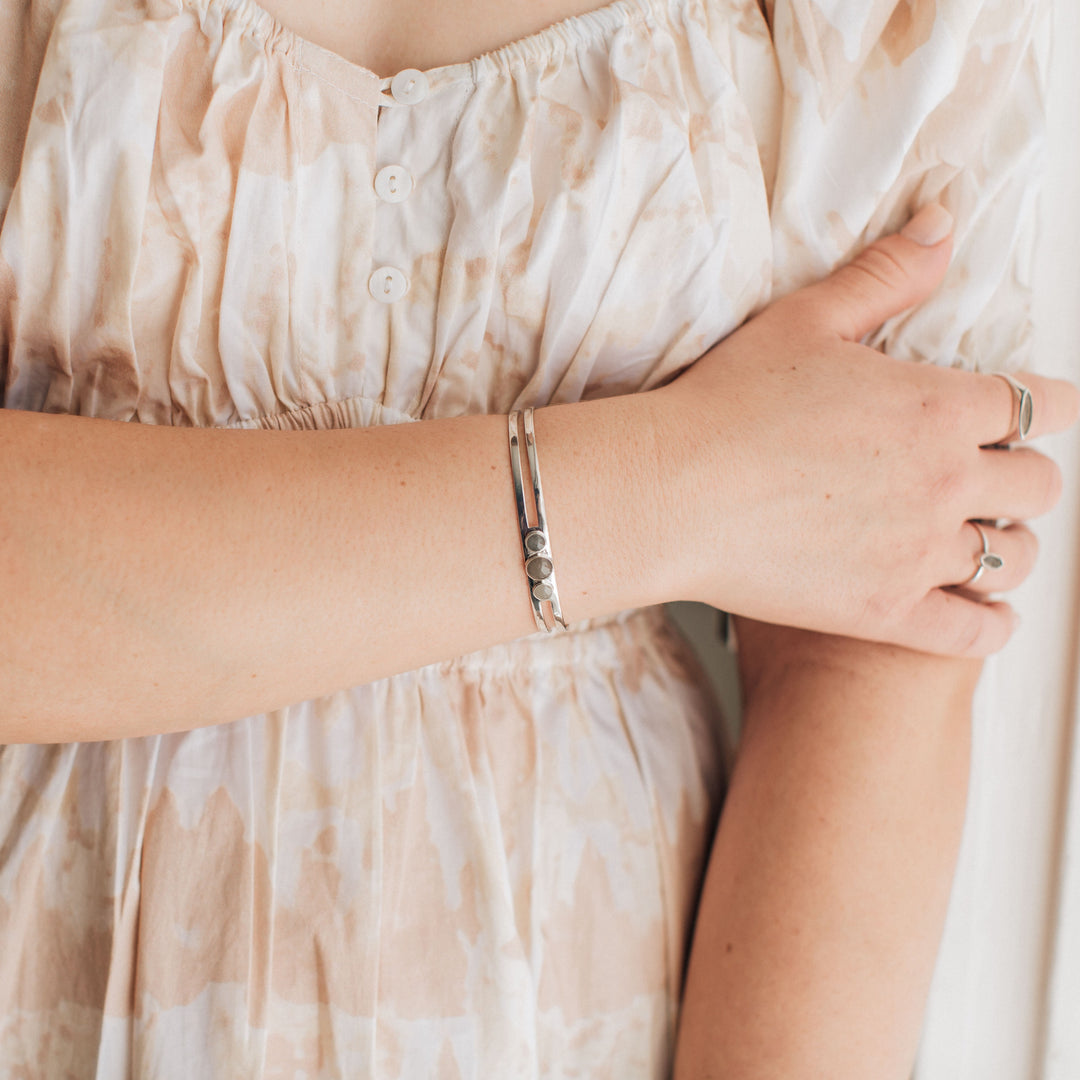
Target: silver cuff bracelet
x,y
535,546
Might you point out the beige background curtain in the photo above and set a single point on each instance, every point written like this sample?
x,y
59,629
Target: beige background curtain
x,y
1006,998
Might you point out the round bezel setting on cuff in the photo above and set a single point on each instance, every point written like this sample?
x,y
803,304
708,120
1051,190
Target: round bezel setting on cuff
x,y
535,545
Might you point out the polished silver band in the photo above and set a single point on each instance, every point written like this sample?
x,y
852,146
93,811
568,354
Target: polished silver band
x,y
987,560
535,545
1024,407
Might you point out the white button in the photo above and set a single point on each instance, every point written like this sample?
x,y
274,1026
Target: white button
x,y
409,86
388,284
393,183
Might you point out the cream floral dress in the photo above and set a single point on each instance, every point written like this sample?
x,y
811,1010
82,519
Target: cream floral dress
x,y
485,868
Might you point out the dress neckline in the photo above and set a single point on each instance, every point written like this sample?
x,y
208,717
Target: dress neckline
x,y
583,29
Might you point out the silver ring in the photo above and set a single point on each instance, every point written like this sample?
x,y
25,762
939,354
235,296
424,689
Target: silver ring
x,y
987,559
1025,408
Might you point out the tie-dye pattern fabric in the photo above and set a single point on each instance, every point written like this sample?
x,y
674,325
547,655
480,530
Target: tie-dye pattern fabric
x,y
486,867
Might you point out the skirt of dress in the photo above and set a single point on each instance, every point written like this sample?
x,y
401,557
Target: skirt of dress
x,y
487,867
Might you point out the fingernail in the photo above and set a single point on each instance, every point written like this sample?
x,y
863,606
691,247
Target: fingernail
x,y
929,226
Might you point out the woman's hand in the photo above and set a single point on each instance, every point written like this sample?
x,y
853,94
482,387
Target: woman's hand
x,y
850,478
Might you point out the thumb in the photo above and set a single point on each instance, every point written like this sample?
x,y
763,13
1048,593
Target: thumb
x,y
888,277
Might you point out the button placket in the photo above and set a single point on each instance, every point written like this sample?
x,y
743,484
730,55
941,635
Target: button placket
x,y
394,183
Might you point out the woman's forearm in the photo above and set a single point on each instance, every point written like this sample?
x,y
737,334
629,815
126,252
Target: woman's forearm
x,y
830,875
156,578
163,578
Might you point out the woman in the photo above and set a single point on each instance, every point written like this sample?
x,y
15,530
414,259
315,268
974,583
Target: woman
x,y
329,803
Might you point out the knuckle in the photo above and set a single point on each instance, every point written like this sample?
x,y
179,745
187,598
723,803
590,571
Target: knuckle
x,y
967,630
881,267
878,610
881,611
947,485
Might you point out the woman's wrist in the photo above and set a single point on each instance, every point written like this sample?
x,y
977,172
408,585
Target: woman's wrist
x,y
688,495
773,655
627,503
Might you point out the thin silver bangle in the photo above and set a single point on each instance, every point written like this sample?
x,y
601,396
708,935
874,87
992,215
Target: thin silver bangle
x,y
535,544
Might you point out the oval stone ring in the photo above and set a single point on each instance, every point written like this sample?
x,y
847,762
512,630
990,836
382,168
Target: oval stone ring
x,y
1024,408
987,560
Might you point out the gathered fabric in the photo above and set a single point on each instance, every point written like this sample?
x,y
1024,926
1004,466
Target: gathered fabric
x,y
489,866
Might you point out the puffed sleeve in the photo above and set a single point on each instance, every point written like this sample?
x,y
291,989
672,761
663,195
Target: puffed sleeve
x,y
889,104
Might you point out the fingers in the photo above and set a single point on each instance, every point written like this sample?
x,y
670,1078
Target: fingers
x,y
888,277
1055,405
957,619
1018,484
1016,546
952,624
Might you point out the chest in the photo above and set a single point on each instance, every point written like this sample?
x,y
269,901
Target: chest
x,y
284,240
386,36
